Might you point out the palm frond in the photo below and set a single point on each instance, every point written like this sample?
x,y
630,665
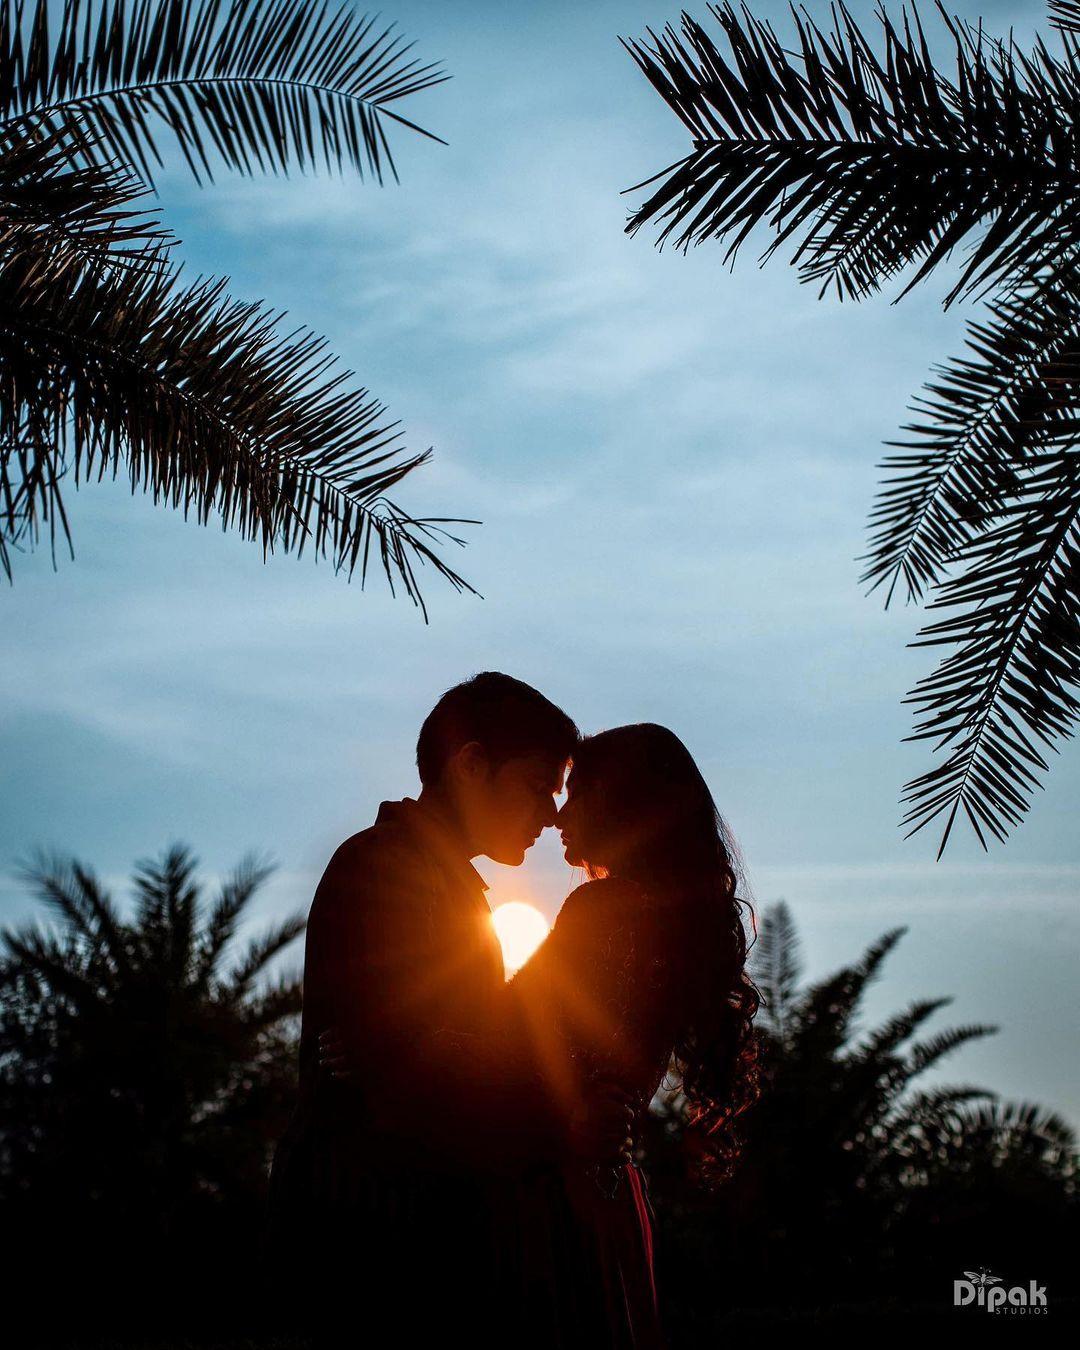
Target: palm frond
x,y
918,1106
989,489
1065,15
927,1053
776,966
825,1012
76,894
921,1123
867,161
283,1000
167,896
252,84
1030,1119
208,405
61,967
47,198
236,894
899,1028
1011,684
1021,1136
984,415
83,216
262,950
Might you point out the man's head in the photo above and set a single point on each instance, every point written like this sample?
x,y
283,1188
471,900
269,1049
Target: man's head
x,y
496,750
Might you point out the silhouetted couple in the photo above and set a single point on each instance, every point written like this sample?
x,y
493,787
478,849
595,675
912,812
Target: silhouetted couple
x,y
458,1169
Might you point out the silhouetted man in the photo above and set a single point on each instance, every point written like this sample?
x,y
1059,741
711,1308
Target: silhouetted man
x,y
386,1183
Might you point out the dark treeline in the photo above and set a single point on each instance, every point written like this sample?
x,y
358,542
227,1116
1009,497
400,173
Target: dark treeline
x,y
146,1068
859,1194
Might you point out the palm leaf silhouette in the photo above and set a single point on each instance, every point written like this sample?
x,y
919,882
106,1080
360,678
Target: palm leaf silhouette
x,y
258,84
110,361
843,1136
866,162
147,1057
777,968
988,484
1066,15
210,406
870,161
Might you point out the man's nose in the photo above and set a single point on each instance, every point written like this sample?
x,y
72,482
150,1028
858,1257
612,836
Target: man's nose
x,y
549,812
560,812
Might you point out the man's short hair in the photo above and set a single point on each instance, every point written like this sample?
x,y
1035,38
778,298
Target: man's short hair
x,y
507,717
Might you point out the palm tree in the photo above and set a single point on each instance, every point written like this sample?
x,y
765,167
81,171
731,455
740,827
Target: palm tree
x,y
850,1096
872,162
109,362
146,1063
848,1167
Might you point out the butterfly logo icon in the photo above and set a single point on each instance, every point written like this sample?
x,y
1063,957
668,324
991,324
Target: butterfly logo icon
x,y
981,1276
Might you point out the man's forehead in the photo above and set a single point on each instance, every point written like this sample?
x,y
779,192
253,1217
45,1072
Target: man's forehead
x,y
549,767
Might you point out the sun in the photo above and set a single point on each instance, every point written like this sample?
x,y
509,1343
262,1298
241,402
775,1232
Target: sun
x,y
520,929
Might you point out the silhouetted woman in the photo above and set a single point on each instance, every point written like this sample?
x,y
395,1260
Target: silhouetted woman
x,y
644,968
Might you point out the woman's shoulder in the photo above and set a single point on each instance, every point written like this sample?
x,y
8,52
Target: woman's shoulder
x,y
604,893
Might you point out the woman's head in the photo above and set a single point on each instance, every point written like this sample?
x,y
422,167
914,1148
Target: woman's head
x,y
636,804
638,808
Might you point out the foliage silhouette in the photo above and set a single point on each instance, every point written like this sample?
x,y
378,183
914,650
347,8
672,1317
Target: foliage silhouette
x,y
109,361
853,1180
146,1065
871,162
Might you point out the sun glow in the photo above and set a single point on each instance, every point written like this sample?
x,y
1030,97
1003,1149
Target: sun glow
x,y
520,929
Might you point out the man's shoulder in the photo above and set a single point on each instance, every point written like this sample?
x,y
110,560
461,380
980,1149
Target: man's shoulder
x,y
384,842
384,852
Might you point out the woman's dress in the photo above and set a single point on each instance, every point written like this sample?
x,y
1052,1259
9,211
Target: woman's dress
x,y
596,1001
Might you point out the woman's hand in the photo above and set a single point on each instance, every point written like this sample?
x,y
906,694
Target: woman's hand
x,y
334,1058
600,1127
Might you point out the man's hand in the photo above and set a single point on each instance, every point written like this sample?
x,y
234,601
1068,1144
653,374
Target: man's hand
x,y
334,1059
600,1127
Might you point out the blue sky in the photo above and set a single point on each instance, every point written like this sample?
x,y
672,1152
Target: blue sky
x,y
673,464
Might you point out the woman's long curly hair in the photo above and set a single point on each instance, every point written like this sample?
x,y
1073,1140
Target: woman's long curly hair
x,y
652,819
